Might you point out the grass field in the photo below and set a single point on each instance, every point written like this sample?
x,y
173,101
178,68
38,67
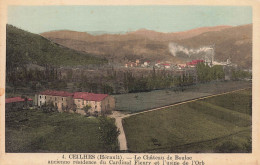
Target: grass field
x,y
35,131
135,102
208,125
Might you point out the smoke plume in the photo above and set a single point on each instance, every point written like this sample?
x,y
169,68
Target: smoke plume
x,y
175,48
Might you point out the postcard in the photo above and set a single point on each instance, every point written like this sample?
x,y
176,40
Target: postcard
x,y
129,83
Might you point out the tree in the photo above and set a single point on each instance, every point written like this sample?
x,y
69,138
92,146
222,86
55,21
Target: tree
x,y
86,109
108,134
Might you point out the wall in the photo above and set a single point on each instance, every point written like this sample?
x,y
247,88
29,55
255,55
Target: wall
x,y
58,101
95,106
108,104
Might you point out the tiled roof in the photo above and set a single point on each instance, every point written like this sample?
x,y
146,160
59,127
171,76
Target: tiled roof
x,y
76,95
89,96
56,93
16,99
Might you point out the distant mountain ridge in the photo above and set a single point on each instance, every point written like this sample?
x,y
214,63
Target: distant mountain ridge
x,y
233,42
144,33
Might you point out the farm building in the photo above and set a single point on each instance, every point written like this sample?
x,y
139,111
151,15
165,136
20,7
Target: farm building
x,y
98,103
60,99
76,102
18,102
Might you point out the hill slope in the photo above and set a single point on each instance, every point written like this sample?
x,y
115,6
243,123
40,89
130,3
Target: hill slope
x,y
27,48
234,42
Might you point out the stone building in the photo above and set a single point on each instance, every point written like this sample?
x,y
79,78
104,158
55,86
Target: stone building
x,y
79,102
97,103
60,99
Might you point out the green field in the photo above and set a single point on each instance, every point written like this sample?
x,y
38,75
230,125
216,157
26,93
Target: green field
x,y
135,102
209,125
35,131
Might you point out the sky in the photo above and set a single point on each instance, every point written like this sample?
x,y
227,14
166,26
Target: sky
x,y
113,19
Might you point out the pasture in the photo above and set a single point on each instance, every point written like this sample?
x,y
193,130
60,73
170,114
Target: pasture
x,y
135,102
35,131
202,126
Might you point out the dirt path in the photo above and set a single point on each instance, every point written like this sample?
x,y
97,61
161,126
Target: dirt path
x,y
121,138
119,116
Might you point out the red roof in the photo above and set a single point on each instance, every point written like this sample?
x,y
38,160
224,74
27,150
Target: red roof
x,y
194,62
89,96
56,93
166,64
16,99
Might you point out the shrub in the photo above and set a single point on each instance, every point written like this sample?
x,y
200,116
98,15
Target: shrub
x,y
109,134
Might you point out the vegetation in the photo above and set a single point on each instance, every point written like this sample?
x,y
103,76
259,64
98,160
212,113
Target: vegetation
x,y
206,73
86,110
155,80
32,61
240,74
49,107
233,101
109,134
141,101
25,48
192,127
36,131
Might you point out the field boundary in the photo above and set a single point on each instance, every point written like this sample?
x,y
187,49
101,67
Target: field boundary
x,y
119,116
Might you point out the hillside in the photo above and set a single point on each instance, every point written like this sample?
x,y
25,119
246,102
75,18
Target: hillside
x,y
27,48
159,36
234,42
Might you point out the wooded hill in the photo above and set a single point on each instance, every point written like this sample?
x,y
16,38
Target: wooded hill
x,y
23,48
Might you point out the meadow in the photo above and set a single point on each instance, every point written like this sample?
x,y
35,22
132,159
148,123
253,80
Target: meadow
x,y
32,130
204,126
136,102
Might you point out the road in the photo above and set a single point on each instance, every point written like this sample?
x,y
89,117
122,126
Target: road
x,y
119,116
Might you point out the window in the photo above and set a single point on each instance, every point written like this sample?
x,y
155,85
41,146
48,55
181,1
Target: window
x,y
45,97
40,103
83,102
79,100
62,98
40,97
55,98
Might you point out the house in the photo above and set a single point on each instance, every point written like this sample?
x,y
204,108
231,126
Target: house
x,y
18,102
76,102
166,65
146,63
181,66
60,99
130,64
193,63
97,103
